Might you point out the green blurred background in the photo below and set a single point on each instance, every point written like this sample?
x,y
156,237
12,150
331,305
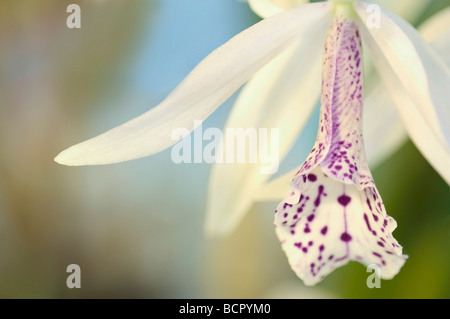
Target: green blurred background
x,y
136,228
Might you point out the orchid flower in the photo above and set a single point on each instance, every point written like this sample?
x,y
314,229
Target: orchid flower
x,y
333,213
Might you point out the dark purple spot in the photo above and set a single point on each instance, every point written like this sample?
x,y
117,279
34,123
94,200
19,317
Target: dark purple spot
x,y
331,257
380,244
321,247
324,230
344,200
285,215
310,243
376,254
375,217
306,230
367,222
311,217
298,245
312,177
338,167
346,237
317,200
305,249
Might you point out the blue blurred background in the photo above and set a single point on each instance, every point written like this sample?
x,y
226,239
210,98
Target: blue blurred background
x,y
136,228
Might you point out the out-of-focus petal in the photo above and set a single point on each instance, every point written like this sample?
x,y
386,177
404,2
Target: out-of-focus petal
x,y
268,8
280,96
407,9
432,147
399,51
276,189
264,8
383,130
201,92
436,30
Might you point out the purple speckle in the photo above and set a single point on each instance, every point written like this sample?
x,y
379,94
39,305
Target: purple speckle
x,y
317,200
344,200
346,237
376,254
312,177
311,217
321,247
324,230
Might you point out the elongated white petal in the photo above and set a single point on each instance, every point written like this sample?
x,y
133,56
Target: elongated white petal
x,y
268,8
420,132
383,130
331,223
201,92
397,46
281,97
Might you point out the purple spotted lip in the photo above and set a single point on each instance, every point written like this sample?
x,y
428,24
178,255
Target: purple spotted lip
x,y
335,213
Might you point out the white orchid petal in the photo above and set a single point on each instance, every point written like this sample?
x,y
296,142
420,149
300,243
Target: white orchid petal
x,y
332,223
431,147
264,8
281,96
436,30
397,46
383,130
436,26
276,189
201,92
268,8
409,10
